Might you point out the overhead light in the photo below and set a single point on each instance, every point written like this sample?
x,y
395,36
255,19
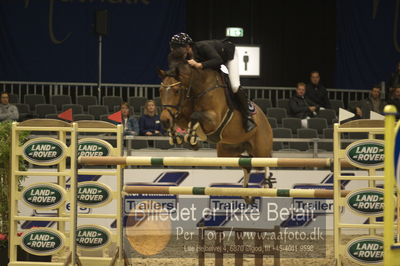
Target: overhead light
x,y
234,32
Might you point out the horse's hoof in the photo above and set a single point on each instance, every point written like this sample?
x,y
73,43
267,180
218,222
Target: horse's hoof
x,y
270,181
248,200
171,141
193,140
179,140
186,138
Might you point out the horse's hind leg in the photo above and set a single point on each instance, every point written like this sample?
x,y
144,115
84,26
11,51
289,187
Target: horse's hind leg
x,y
261,146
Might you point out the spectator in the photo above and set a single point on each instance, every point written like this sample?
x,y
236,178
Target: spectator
x,y
373,103
131,125
393,82
396,99
149,122
7,110
317,92
300,106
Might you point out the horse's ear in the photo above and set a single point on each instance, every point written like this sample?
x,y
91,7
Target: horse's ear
x,y
161,73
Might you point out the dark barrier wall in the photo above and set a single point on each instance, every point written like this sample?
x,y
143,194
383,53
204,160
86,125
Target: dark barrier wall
x,y
54,40
368,42
296,36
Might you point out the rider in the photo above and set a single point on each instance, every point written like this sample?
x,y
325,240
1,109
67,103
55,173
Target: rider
x,y
212,54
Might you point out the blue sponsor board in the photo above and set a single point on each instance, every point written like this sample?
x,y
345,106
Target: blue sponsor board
x,y
168,203
229,204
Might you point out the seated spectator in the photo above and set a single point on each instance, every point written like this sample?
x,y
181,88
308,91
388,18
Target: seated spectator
x,y
373,103
317,92
131,125
7,110
396,99
149,122
300,106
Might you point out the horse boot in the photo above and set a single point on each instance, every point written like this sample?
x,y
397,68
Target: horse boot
x,y
248,122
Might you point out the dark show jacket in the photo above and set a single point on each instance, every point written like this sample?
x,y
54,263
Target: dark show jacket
x,y
318,94
298,107
213,53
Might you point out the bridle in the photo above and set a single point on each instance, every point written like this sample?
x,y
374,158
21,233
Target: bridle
x,y
188,96
177,107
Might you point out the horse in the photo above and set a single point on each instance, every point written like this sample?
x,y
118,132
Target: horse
x,y
195,99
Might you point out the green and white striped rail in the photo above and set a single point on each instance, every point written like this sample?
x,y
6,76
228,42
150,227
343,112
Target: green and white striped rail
x,y
210,161
229,191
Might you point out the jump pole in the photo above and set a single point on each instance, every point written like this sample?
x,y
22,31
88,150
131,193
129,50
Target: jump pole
x,y
210,161
240,192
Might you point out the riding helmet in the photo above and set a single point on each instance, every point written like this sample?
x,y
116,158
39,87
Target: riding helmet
x,y
180,40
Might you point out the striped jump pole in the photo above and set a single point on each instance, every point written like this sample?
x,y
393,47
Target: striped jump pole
x,y
210,161
229,191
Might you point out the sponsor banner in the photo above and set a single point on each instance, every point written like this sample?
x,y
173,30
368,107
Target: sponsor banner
x,y
366,201
94,147
92,237
44,151
43,196
365,250
42,241
93,194
366,154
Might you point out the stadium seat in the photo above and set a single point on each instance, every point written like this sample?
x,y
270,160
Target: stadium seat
x,y
85,101
13,98
281,133
278,113
136,103
264,104
304,133
329,115
33,99
60,100
44,109
336,104
292,123
76,108
273,122
79,117
97,111
318,123
283,103
327,134
111,101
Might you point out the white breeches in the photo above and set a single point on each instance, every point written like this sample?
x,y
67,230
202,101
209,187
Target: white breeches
x,y
233,68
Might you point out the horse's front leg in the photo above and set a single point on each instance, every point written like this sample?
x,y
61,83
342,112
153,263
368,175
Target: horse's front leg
x,y
200,123
174,138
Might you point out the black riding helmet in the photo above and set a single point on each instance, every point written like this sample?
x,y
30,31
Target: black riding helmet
x,y
180,40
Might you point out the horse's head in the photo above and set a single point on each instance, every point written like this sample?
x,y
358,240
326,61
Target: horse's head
x,y
172,94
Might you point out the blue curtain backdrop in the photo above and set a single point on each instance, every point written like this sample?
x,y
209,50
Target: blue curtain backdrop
x,y
367,37
137,43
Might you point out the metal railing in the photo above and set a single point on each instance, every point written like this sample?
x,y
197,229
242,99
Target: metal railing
x,y
151,91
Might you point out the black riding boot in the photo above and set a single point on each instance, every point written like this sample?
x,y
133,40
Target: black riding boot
x,y
248,122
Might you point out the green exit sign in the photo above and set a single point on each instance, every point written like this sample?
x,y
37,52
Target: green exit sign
x,y
234,32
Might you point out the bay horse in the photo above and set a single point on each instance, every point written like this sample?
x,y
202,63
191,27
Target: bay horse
x,y
195,100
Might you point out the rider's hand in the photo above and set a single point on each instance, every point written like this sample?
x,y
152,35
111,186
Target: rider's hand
x,y
148,133
195,64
